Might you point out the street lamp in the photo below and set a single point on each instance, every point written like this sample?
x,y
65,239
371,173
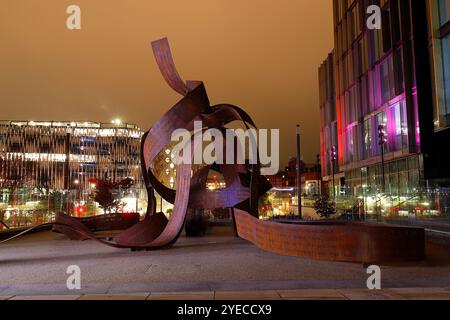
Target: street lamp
x,y
333,158
299,175
77,182
382,141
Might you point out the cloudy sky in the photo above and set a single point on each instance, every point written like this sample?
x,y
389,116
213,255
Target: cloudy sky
x,y
262,55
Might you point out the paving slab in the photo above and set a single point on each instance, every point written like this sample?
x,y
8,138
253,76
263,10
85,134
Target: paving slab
x,y
247,295
311,294
160,286
423,293
420,290
50,297
127,296
436,297
207,295
366,294
52,289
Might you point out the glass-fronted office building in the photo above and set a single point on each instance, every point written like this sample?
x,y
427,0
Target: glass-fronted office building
x,y
392,81
38,158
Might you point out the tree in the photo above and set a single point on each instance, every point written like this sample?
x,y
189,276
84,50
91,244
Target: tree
x,y
107,193
324,207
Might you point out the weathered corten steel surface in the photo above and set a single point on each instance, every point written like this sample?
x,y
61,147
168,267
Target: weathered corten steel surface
x,y
336,241
339,241
105,222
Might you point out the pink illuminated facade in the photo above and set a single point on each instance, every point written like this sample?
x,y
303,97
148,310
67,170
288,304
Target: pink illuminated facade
x,y
383,79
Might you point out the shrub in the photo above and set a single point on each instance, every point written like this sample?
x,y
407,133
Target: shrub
x,y
324,207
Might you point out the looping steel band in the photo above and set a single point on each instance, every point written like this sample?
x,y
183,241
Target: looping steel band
x,y
356,242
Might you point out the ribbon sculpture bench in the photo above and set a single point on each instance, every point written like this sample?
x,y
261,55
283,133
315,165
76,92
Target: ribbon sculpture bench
x,y
337,241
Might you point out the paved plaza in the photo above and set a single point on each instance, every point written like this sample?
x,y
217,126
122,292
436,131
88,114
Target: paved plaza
x,y
216,266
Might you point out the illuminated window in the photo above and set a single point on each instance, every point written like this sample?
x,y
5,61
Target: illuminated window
x,y
381,119
368,138
398,112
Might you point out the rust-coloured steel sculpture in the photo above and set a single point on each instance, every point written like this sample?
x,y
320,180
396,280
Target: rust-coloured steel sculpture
x,y
339,241
105,222
335,241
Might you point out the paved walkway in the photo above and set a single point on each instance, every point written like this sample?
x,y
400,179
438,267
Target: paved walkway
x,y
309,294
37,265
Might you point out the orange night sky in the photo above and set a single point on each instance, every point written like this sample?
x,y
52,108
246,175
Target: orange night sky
x,y
261,55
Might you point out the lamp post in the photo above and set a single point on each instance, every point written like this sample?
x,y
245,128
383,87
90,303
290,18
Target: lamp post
x,y
382,141
77,185
333,158
299,176
365,202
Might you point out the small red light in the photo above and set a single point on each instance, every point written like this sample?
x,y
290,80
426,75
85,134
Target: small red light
x,y
80,210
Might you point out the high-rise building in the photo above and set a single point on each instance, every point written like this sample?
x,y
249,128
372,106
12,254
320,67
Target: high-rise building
x,y
331,174
439,43
390,90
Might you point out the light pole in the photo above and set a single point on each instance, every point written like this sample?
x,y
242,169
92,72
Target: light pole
x,y
333,158
365,202
77,185
382,141
299,176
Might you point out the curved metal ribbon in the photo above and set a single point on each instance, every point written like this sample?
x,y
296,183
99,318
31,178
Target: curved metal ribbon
x,y
190,193
244,185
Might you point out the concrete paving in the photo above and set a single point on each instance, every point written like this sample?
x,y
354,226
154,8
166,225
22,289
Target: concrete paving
x,y
130,296
206,295
36,265
307,294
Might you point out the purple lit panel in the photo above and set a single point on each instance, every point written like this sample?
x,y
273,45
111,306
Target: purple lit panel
x,y
416,120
